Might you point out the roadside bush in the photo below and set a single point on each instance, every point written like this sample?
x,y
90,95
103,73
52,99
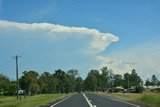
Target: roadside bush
x,y
139,89
118,90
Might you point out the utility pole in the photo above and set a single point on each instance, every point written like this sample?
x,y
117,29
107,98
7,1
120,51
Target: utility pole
x,y
128,81
16,57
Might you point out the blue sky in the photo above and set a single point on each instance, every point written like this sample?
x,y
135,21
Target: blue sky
x,y
80,34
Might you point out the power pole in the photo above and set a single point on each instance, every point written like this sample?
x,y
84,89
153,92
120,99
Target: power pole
x,y
16,57
128,81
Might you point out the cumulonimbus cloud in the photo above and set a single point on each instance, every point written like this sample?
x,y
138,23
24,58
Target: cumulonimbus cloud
x,y
98,41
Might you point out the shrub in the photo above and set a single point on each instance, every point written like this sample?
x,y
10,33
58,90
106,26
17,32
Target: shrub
x,y
139,89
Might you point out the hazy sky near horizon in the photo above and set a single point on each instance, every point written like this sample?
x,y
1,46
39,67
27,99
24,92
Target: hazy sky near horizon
x,y
80,34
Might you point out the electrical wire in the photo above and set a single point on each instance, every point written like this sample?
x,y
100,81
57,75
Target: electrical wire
x,y
4,64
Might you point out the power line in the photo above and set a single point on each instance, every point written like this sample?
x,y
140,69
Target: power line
x,y
26,62
4,64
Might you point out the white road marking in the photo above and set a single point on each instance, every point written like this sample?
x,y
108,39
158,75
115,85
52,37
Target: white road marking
x,y
60,101
87,100
121,101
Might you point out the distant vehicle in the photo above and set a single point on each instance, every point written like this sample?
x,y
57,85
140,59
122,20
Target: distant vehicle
x,y
1,93
21,92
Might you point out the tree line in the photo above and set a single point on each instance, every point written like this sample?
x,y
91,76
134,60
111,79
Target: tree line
x,y
153,82
70,81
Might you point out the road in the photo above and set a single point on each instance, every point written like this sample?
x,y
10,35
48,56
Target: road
x,y
90,100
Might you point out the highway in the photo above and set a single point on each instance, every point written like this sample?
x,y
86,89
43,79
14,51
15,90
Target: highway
x,y
90,100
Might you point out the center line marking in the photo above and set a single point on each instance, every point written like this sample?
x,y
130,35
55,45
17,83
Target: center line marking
x,y
88,101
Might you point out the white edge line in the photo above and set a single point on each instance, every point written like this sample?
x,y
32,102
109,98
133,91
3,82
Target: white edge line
x,y
121,101
61,101
87,100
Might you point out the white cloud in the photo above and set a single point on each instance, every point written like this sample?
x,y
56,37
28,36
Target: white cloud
x,y
97,43
145,59
53,46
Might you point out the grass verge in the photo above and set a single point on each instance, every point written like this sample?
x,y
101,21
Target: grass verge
x,y
123,96
149,98
30,101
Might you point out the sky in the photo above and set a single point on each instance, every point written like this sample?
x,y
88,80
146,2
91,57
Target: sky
x,y
80,34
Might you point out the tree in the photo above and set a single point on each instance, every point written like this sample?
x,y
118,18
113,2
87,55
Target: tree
x,y
134,79
73,72
118,80
69,83
148,83
33,88
104,78
154,80
66,81
91,82
60,75
158,83
111,78
52,84
47,83
126,82
43,81
79,84
12,88
28,80
4,84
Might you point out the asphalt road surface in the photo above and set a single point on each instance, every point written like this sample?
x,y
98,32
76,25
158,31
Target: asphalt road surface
x,y
91,100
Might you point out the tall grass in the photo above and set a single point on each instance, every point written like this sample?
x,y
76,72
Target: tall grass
x,y
151,99
123,96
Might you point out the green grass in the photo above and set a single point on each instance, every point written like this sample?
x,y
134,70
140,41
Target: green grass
x,y
148,98
30,101
151,98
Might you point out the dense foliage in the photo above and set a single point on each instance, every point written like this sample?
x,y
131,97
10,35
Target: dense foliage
x,y
70,81
154,81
